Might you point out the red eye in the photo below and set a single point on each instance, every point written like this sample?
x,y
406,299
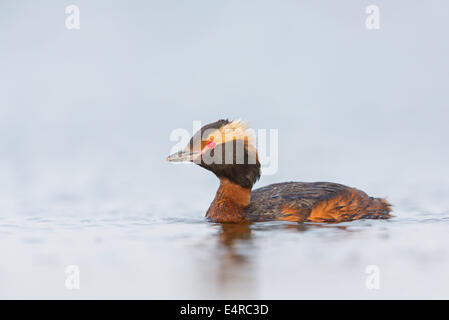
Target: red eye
x,y
211,145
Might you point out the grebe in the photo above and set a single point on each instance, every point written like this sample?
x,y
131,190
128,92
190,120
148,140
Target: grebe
x,y
238,168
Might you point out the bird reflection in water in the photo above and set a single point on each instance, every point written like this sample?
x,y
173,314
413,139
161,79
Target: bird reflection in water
x,y
237,250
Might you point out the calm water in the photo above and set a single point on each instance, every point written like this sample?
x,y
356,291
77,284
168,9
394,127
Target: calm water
x,y
150,256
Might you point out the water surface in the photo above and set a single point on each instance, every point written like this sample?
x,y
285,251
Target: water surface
x,y
147,256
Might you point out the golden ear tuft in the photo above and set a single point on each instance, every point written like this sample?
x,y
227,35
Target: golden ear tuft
x,y
235,130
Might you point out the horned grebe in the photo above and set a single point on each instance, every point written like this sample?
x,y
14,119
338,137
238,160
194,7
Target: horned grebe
x,y
288,201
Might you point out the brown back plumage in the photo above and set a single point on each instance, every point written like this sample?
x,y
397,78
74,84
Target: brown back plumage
x,y
314,202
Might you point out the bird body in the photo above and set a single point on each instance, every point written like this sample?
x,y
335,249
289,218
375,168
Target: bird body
x,y
296,202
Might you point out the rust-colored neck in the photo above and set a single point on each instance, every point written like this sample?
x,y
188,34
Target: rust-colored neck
x,y
229,202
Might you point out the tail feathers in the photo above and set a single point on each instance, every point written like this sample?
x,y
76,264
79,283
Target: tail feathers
x,y
350,205
378,209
